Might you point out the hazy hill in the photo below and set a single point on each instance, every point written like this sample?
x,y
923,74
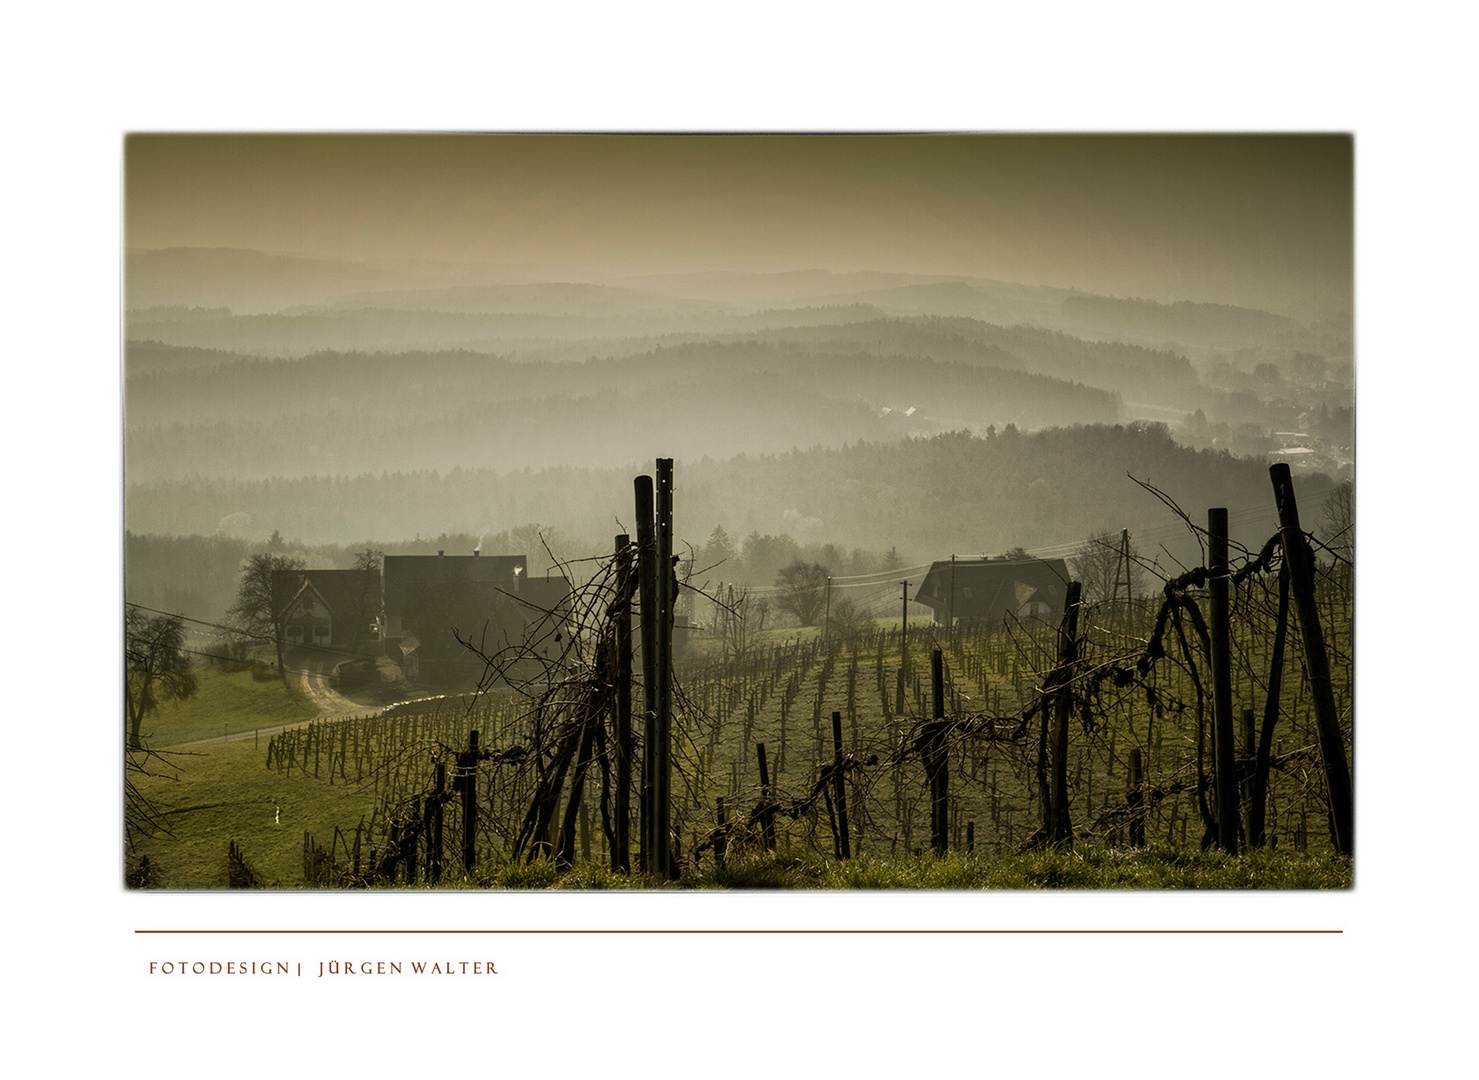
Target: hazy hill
x,y
241,279
1212,325
539,298
347,413
952,492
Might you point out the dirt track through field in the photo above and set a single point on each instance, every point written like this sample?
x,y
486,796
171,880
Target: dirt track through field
x,y
315,685
330,702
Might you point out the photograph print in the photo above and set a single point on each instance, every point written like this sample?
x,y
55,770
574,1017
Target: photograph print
x,y
936,511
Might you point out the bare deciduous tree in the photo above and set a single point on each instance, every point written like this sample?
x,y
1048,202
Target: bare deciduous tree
x,y
156,666
802,591
1101,565
259,601
1338,521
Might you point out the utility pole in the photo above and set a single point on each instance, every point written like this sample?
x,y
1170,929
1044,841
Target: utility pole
x,y
903,656
904,636
827,615
950,611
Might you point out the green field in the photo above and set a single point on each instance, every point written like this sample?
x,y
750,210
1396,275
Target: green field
x,y
230,699
349,784
214,795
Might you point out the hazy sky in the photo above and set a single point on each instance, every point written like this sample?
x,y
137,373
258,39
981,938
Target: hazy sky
x,y
1260,220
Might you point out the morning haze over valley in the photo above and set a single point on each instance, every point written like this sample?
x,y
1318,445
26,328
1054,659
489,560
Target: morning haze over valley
x,y
928,344
385,392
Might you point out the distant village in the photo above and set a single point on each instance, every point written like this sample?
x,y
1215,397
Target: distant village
x,y
409,609
416,607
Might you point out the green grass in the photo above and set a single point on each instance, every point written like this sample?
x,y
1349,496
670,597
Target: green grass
x,y
229,698
220,793
1154,868
225,792
214,794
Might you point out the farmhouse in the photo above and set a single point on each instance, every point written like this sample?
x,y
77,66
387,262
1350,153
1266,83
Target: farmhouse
x,y
986,591
337,609
490,600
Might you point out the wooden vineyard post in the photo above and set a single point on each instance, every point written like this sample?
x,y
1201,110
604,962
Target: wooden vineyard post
x,y
1060,823
767,811
408,841
575,803
1224,747
839,788
1136,800
1300,560
1246,762
1258,798
721,836
647,587
937,760
666,595
621,855
467,781
434,851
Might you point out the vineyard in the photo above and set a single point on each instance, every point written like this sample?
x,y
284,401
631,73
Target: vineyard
x,y
1196,718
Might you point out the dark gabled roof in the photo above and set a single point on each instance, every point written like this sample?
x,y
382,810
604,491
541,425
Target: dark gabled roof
x,y
546,591
306,586
990,587
345,592
407,575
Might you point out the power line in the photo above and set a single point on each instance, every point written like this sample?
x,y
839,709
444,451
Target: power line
x,y
234,631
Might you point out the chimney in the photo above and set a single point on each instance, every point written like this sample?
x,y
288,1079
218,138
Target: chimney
x,y
440,552
475,553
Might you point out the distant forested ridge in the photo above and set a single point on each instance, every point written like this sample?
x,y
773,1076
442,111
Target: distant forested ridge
x,y
349,413
811,414
1183,320
955,492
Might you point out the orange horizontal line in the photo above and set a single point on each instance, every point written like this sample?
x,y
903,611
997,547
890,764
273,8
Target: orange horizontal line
x,y
672,931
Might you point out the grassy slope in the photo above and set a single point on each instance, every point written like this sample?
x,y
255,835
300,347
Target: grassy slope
x,y
222,792
1083,868
227,700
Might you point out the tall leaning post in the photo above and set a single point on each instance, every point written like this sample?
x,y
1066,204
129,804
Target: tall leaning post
x,y
647,603
621,854
469,779
938,760
1060,831
839,787
666,595
1224,752
1300,560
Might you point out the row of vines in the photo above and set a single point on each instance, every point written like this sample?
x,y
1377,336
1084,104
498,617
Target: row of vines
x,y
839,746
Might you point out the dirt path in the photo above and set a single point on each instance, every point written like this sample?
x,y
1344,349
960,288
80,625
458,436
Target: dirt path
x,y
330,702
315,685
